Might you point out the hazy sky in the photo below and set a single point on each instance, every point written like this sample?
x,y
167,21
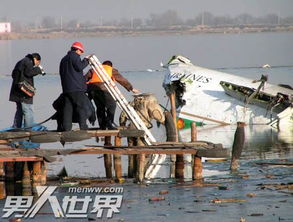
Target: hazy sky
x,y
93,10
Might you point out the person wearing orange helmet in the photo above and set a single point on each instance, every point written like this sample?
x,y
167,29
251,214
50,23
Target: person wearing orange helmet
x,y
74,87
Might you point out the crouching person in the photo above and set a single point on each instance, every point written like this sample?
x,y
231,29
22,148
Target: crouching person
x,y
59,104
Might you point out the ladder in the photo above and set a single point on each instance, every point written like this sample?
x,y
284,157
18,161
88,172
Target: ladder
x,y
110,85
120,99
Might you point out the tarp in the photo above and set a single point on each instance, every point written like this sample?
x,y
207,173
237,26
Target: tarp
x,y
24,143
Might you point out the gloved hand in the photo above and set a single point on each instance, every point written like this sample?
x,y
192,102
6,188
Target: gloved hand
x,y
42,70
88,56
135,91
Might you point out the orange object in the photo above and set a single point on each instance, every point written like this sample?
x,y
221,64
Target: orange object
x,y
95,78
159,198
180,124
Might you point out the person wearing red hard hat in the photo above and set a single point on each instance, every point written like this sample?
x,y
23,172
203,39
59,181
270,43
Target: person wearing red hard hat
x,y
74,87
78,45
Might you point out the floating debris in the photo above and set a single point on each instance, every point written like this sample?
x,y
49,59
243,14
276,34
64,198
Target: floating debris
x,y
228,201
251,195
157,198
162,192
256,214
223,188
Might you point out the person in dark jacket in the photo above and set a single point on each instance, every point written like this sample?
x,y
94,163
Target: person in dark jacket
x,y
58,105
104,102
74,87
24,71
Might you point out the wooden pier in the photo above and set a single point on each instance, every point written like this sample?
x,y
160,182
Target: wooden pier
x,y
36,158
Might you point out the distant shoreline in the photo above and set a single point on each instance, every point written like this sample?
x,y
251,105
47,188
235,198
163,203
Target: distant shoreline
x,y
104,32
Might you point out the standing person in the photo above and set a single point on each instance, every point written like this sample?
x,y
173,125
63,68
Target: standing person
x,y
74,87
24,72
105,103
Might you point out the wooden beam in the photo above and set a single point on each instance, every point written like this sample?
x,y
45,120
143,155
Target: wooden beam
x,y
20,159
137,151
205,118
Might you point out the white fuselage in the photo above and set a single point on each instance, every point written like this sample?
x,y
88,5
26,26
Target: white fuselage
x,y
207,102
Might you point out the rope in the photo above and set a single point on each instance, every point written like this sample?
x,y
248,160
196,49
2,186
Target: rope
x,y
36,124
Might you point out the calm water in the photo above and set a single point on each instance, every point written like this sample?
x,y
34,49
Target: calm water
x,y
133,56
146,52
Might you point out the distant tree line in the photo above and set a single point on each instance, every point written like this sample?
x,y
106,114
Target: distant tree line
x,y
166,19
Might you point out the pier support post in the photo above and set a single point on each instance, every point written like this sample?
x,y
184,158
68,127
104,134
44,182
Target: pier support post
x,y
193,132
2,190
44,173
179,165
117,160
131,161
239,138
141,159
2,171
197,168
26,177
197,164
37,173
108,158
131,172
26,181
141,166
173,112
10,176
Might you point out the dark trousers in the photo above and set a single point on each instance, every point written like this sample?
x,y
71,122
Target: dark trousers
x,y
74,102
106,107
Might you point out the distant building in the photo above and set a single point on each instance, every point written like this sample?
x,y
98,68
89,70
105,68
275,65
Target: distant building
x,y
5,27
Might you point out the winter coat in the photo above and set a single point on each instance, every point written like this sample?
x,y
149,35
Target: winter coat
x,y
116,76
23,70
71,73
58,105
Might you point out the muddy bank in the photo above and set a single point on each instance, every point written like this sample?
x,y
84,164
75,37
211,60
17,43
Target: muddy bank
x,y
102,32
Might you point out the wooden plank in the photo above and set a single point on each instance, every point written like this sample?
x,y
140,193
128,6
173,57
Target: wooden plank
x,y
131,133
158,147
19,159
177,149
100,133
187,144
215,153
14,135
4,141
121,150
205,118
136,151
53,136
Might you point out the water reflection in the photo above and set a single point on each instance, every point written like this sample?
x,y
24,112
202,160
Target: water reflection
x,y
261,141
